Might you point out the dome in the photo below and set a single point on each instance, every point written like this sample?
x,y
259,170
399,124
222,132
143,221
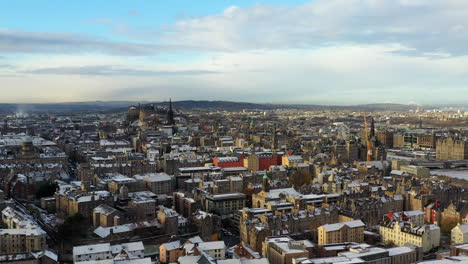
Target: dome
x,y
27,139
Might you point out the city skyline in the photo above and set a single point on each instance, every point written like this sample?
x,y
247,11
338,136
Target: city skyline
x,y
329,52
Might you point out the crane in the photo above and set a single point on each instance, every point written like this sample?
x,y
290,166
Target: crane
x,y
368,143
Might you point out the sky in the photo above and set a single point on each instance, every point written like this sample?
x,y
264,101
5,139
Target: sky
x,y
277,51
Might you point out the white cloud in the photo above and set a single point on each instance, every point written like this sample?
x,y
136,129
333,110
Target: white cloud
x,y
340,74
324,51
426,26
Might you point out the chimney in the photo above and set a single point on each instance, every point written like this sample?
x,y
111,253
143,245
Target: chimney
x,y
390,215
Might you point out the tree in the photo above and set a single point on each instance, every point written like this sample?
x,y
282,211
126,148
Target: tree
x,y
299,178
447,224
73,227
46,189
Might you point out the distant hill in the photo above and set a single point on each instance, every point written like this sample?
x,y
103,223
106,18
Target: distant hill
x,y
383,107
226,105
120,106
69,107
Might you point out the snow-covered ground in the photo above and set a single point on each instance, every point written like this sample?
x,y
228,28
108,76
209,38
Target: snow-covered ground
x,y
397,157
455,173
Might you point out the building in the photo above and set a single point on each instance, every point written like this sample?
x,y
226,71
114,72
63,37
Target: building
x,y
351,231
22,234
400,233
260,199
169,219
451,149
283,249
229,162
364,253
158,183
258,223
262,161
459,234
22,240
418,171
386,137
118,181
107,253
292,160
453,214
170,252
244,252
224,204
457,250
208,224
215,249
414,217
70,202
141,208
106,216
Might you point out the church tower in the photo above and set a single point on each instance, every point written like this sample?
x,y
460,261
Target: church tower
x,y
170,114
265,184
274,143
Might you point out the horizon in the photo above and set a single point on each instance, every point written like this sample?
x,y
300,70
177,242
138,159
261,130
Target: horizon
x,y
321,52
237,102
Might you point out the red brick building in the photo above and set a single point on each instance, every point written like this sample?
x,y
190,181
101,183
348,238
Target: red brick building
x,y
229,162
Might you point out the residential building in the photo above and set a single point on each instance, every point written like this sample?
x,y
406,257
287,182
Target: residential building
x,y
171,251
459,234
22,235
351,231
224,204
283,249
107,253
402,233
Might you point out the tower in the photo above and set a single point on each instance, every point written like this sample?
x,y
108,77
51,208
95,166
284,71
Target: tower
x,y
252,124
170,114
274,144
85,186
123,192
27,147
372,131
265,182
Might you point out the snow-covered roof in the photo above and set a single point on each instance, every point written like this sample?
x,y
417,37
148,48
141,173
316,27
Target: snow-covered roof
x,y
338,226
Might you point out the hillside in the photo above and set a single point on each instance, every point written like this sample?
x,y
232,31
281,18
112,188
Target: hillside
x,y
120,106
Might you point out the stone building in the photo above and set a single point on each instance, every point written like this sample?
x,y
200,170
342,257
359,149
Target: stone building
x,y
351,231
224,204
283,249
169,220
258,223
106,216
402,233
22,234
451,149
73,202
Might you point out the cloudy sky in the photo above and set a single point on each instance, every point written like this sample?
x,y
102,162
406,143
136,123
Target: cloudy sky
x,y
291,51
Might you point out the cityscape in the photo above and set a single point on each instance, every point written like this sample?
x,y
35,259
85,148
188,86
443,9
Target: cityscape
x,y
274,132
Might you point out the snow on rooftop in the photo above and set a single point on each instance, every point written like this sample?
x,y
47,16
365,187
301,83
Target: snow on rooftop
x,y
338,226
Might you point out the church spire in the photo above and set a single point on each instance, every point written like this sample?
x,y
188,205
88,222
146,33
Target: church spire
x,y
265,185
274,145
170,114
372,132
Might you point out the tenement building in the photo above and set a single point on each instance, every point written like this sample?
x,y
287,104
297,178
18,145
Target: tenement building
x,y
451,149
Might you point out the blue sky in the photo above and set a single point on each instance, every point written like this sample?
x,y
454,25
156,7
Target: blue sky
x,y
318,52
83,16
